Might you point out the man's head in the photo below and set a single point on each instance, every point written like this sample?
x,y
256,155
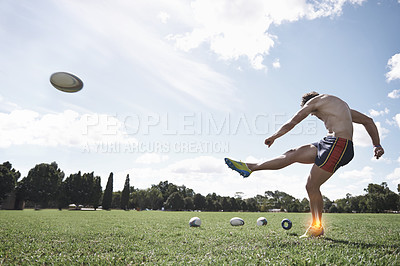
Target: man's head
x,y
308,96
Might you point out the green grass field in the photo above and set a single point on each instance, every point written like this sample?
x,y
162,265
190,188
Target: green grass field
x,y
154,237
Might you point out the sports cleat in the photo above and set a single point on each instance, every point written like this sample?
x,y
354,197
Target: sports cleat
x,y
239,167
313,231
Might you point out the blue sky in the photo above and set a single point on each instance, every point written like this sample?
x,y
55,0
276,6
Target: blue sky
x,y
173,87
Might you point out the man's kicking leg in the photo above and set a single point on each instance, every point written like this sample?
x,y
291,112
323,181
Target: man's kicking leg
x,y
305,154
316,178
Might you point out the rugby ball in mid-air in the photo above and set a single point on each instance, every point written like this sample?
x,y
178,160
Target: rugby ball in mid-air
x,y
66,82
195,222
236,221
262,221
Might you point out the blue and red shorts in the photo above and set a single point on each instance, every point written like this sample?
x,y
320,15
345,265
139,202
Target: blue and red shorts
x,y
333,153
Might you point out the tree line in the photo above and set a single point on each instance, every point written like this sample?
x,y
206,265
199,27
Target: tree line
x,y
46,186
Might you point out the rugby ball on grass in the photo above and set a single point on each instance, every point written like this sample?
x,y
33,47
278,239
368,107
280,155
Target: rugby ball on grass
x,y
195,222
262,221
236,221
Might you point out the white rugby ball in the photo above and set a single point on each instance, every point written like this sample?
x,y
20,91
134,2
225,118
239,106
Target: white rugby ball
x,y
236,221
66,82
262,221
195,222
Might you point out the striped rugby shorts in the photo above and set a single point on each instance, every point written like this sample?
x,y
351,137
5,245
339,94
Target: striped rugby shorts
x,y
333,153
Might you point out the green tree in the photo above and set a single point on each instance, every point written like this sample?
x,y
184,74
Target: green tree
x,y
188,203
141,199
357,204
199,201
379,198
392,201
238,195
8,179
116,200
72,189
333,209
362,204
108,193
96,192
252,204
233,203
218,206
343,205
166,189
155,199
81,190
150,198
125,194
327,203
210,203
132,191
91,192
225,204
42,184
185,192
293,205
282,200
305,205
175,202
242,205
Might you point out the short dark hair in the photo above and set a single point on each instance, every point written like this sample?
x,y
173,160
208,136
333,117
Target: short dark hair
x,y
308,96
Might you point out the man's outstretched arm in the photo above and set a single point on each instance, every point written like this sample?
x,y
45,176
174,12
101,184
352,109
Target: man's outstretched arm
x,y
372,130
289,125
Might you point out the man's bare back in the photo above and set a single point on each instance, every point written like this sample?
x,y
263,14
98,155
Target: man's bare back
x,y
335,113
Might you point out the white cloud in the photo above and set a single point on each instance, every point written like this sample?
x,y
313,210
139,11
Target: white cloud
x,y
164,17
390,122
276,64
151,158
240,28
395,94
200,165
394,66
257,62
361,137
381,160
68,128
394,177
375,113
7,106
397,119
362,176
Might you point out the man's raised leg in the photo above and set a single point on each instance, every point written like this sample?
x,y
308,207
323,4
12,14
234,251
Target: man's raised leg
x,y
305,154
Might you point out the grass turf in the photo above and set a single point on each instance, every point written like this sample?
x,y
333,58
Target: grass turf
x,y
155,237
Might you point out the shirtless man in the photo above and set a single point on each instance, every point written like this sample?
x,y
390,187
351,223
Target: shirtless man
x,y
327,155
